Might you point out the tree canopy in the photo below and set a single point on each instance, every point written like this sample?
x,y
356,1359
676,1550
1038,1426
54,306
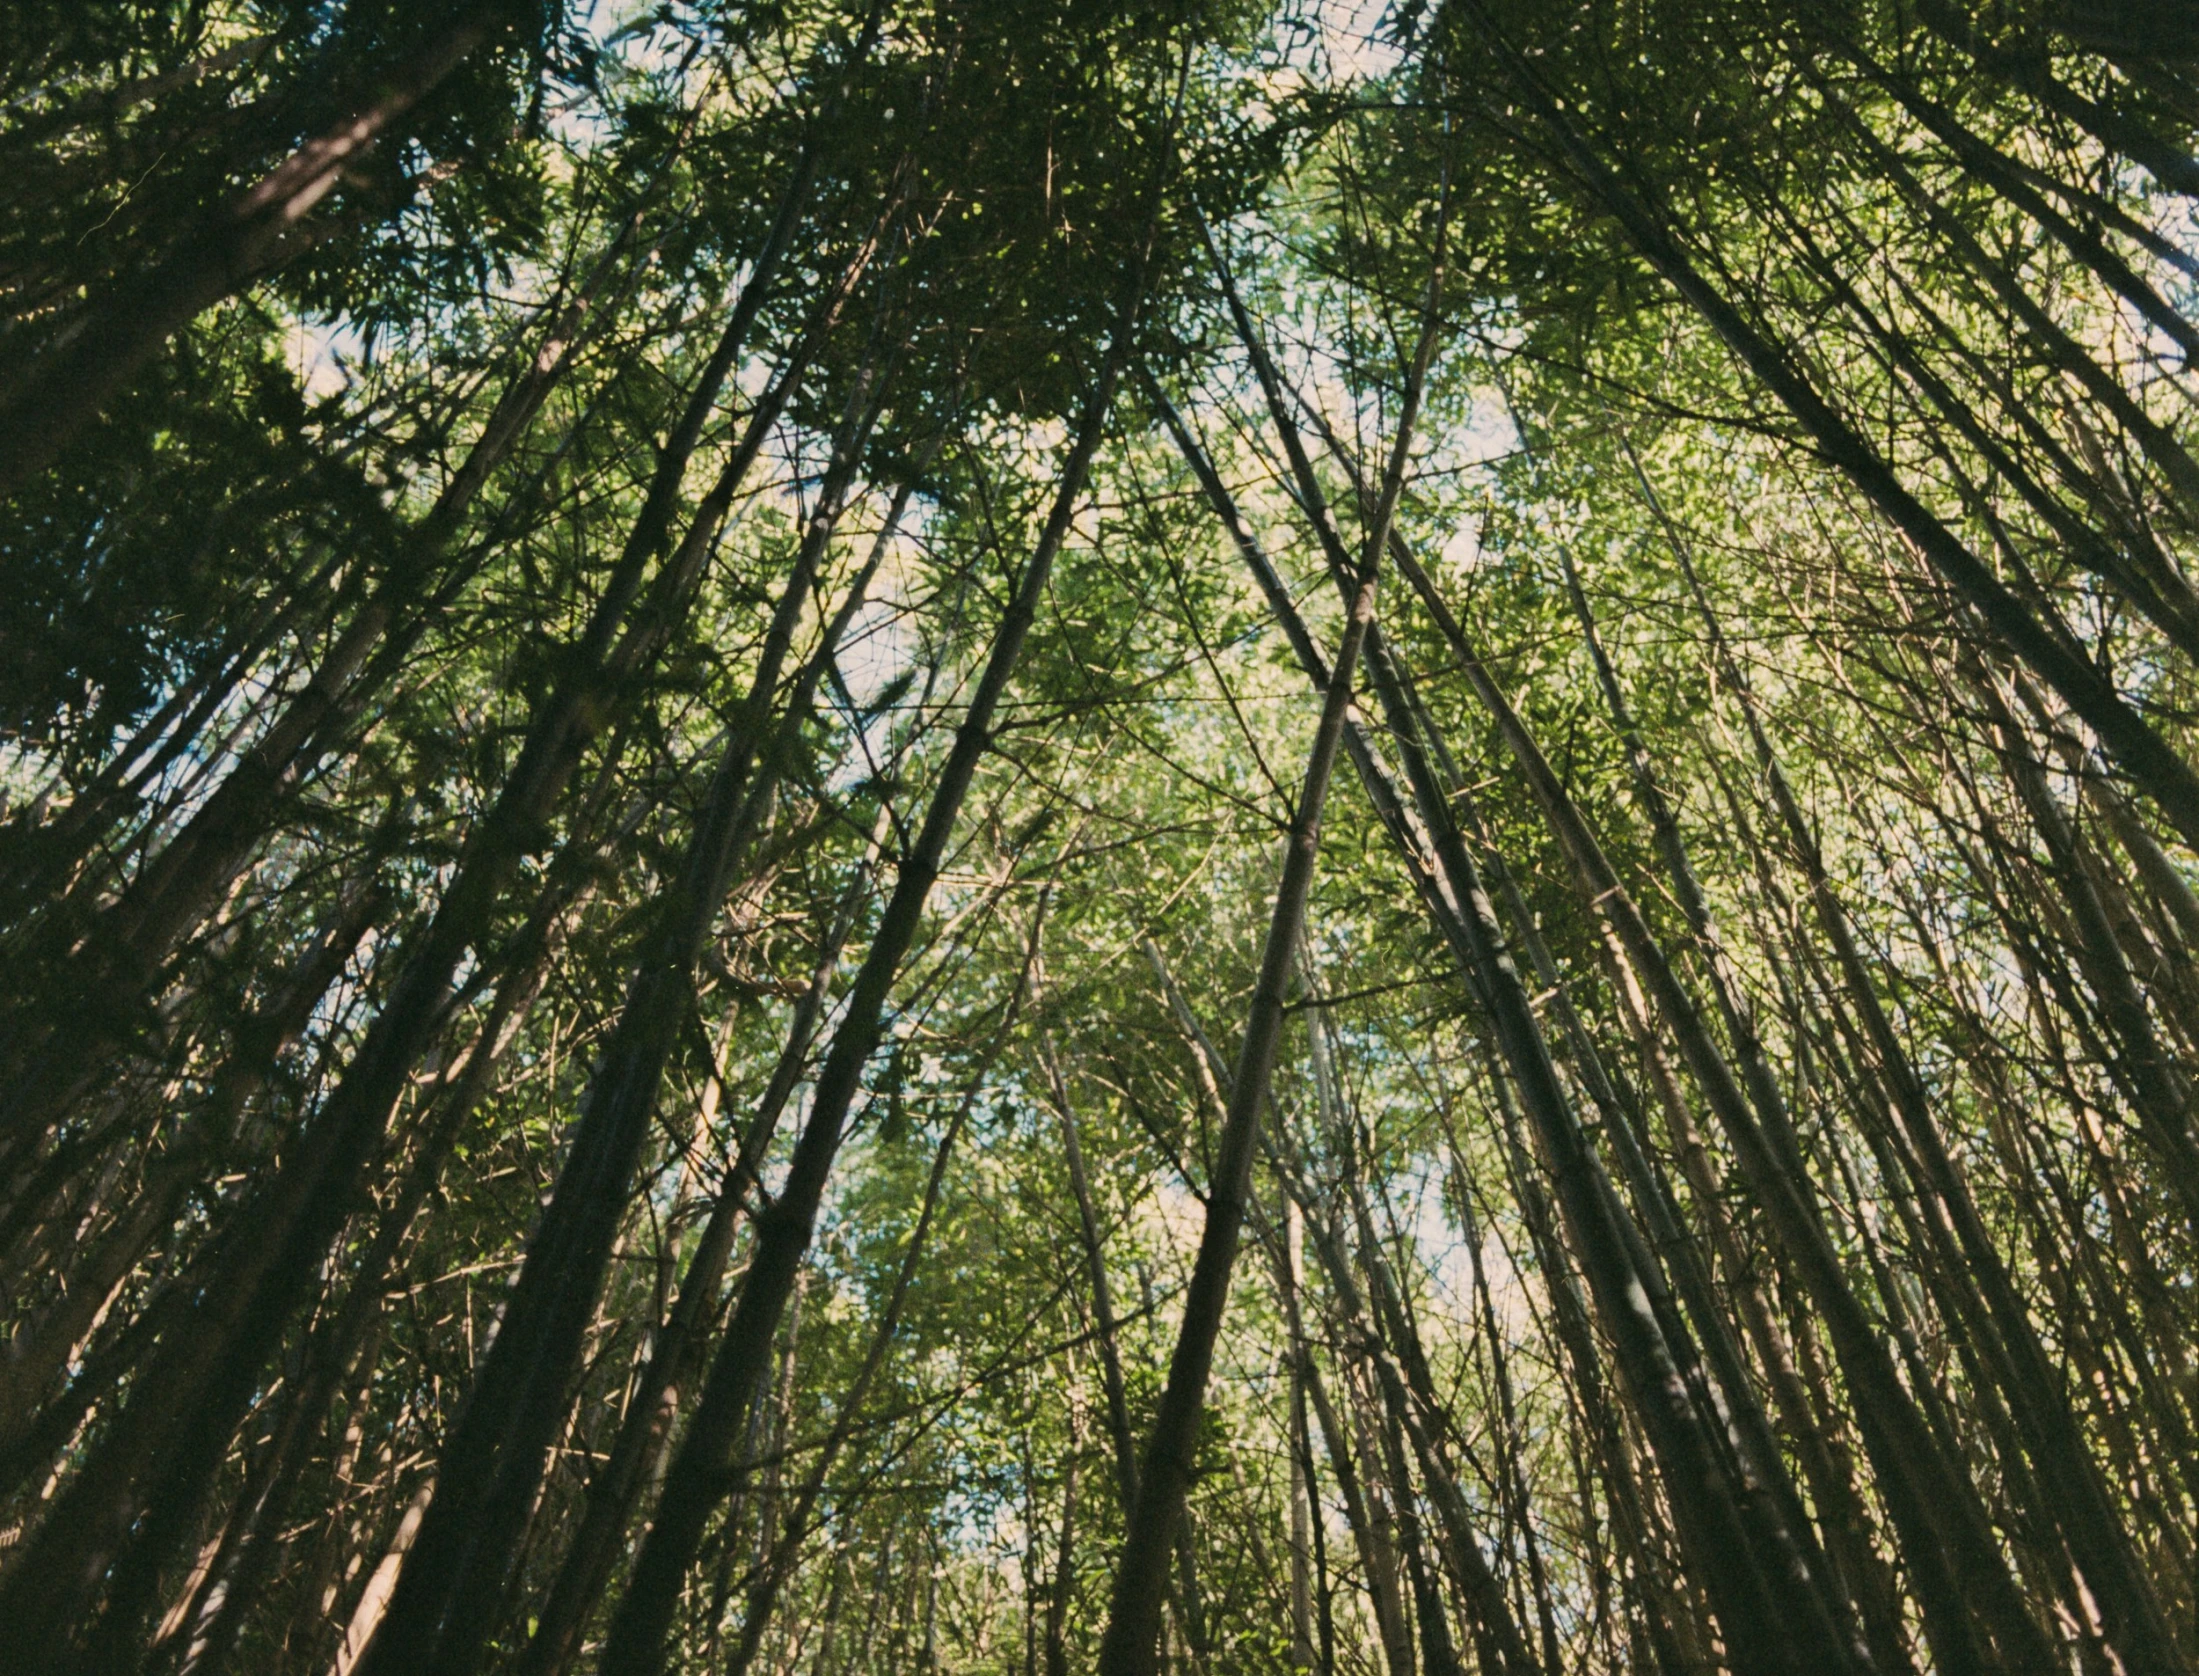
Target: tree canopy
x,y
1020,837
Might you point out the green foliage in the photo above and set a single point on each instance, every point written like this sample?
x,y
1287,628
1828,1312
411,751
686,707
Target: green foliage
x,y
1966,234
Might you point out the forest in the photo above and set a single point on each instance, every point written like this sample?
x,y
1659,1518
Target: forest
x,y
1172,838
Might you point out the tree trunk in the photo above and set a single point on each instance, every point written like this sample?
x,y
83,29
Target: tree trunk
x,y
2132,1616
183,1410
443,1608
638,1450
1164,1471
636,1646
1119,1432
1702,1498
1936,1507
126,946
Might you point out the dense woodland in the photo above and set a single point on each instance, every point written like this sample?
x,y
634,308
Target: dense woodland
x,y
1010,836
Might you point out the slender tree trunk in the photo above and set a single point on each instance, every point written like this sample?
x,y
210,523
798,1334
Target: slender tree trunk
x,y
1119,1431
252,1545
782,1552
1061,1596
129,942
183,1411
2132,1616
1677,1630
1935,1505
35,1356
2164,1098
1351,1489
1703,1499
642,1438
1128,1647
1500,1645
1438,1654
636,1646
1164,1473
1301,1504
442,1610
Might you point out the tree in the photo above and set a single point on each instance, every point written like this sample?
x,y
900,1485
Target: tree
x,y
655,663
